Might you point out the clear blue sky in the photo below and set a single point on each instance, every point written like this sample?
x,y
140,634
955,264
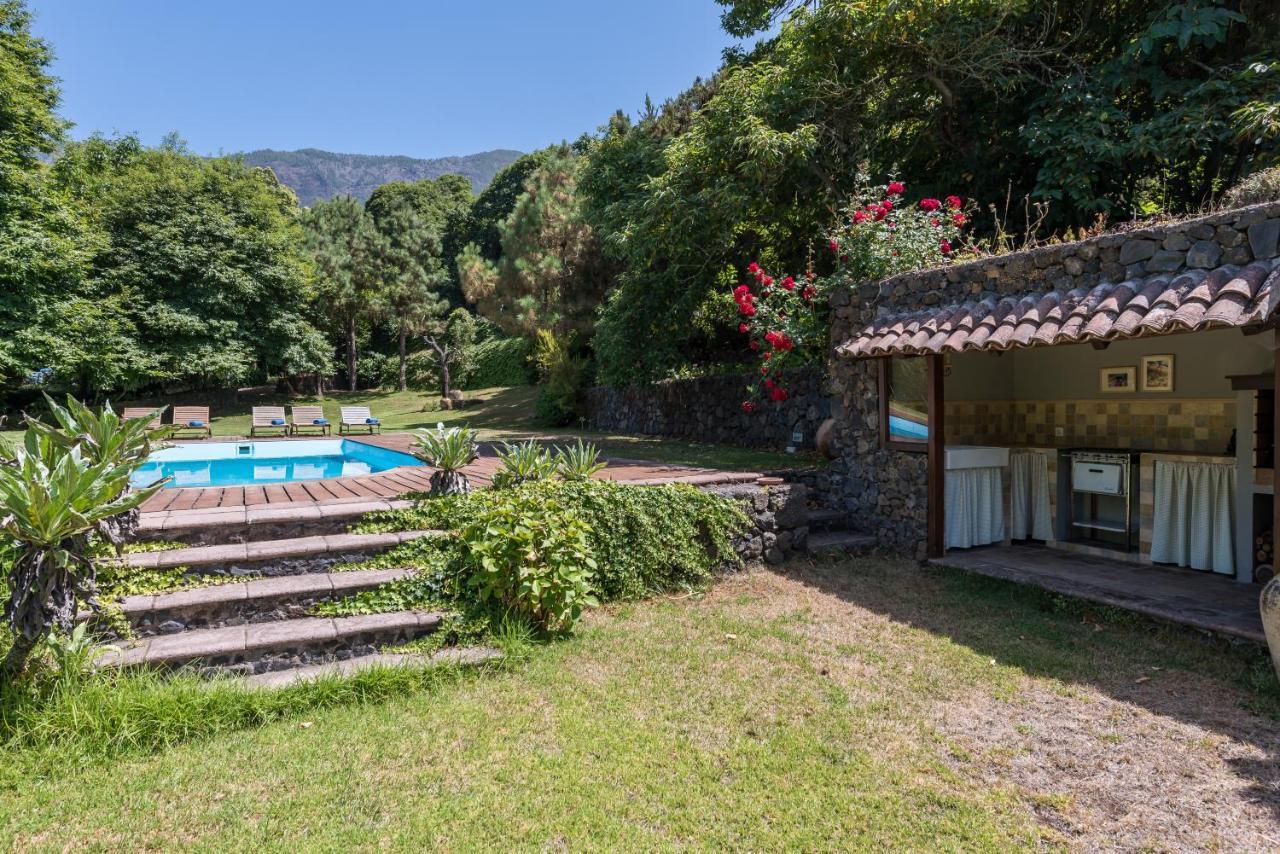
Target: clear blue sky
x,y
427,78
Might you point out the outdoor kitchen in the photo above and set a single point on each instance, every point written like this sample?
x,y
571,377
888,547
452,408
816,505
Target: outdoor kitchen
x,y
1142,451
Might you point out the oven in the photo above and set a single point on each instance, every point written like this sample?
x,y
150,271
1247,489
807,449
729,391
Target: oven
x,y
1101,508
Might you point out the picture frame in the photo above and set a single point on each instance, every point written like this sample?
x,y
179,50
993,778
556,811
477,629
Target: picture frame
x,y
1120,380
1157,373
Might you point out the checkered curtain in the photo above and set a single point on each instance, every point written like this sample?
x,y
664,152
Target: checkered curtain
x,y
974,507
1030,516
1194,521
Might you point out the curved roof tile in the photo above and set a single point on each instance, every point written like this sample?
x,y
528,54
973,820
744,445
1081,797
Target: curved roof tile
x,y
1228,296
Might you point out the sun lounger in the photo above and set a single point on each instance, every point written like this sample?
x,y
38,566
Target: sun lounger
x,y
308,418
358,418
189,418
132,412
268,419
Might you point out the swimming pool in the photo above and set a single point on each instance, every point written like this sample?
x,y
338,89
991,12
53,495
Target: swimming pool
x,y
255,463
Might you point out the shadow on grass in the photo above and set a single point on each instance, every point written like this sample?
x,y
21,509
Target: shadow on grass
x,y
1126,656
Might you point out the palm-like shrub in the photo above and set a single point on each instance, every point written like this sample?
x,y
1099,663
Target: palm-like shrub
x,y
55,492
578,461
105,436
448,451
523,463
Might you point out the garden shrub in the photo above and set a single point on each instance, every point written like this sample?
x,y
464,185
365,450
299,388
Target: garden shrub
x,y
500,362
645,539
564,376
531,555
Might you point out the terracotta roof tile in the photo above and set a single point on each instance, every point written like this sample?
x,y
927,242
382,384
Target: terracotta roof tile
x,y
1229,296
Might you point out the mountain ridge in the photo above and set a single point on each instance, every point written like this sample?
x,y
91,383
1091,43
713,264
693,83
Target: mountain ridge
x,y
316,174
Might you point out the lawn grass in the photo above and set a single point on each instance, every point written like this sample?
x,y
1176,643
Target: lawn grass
x,y
497,413
822,708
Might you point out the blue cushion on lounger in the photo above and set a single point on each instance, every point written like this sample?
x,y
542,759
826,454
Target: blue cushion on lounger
x,y
372,421
277,422
320,422
195,423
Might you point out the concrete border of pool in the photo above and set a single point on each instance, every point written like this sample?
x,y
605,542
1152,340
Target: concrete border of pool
x,y
396,482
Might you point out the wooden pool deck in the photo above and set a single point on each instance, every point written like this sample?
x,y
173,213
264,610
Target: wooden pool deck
x,y
406,479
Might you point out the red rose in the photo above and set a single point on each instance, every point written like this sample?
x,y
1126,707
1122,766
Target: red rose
x,y
748,406
959,219
945,247
767,281
779,394
896,188
747,309
859,216
886,206
753,268
789,283
809,292
754,345
930,204
954,202
768,356
743,328
740,291
835,247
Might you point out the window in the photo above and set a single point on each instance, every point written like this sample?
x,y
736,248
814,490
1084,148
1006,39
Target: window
x,y
904,403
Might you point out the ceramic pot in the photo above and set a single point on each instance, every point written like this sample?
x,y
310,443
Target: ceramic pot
x,y
1269,605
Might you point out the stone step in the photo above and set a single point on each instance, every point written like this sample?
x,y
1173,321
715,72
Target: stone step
x,y
840,541
218,525
824,519
259,600
456,656
293,556
281,645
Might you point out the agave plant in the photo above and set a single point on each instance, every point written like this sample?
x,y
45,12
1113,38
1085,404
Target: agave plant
x,y
578,461
53,497
103,436
523,463
448,451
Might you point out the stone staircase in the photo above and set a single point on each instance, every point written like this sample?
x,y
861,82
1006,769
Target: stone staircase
x,y
829,532
252,619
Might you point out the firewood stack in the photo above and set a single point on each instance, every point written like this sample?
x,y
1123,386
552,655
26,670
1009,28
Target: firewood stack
x,y
1264,552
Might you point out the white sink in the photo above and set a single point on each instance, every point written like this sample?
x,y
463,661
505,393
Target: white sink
x,y
976,457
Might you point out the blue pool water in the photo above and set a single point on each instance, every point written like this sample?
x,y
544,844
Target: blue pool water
x,y
903,428
250,463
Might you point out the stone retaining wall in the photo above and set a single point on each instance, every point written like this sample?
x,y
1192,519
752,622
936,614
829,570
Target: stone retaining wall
x,y
779,514
709,409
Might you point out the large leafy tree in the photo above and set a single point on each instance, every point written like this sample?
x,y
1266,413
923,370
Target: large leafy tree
x,y
442,205
199,259
346,250
41,242
550,275
413,279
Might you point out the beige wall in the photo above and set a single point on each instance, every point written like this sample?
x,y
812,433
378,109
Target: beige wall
x,y
1202,362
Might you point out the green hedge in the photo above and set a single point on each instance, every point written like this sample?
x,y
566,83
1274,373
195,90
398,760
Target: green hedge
x,y
501,362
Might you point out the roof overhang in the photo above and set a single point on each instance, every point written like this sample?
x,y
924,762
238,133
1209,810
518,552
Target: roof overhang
x,y
1226,297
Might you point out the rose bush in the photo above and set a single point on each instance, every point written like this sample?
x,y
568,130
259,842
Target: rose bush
x,y
877,235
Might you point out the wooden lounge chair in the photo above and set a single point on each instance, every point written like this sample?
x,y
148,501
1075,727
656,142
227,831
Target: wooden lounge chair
x,y
131,412
358,417
188,418
267,418
308,418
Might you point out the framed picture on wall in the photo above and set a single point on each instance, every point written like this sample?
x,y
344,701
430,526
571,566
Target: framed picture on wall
x,y
1157,373
1117,380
